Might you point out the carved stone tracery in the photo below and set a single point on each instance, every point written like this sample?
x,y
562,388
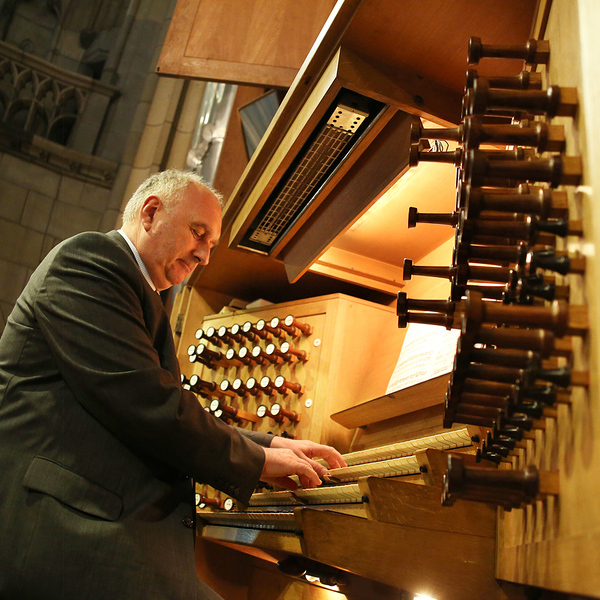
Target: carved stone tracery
x,y
39,99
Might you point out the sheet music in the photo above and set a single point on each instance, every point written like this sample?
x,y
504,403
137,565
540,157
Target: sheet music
x,y
427,351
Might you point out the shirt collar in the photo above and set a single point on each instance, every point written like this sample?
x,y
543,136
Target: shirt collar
x,y
138,260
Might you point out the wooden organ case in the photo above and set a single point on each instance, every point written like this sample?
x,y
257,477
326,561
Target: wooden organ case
x,y
527,445
336,354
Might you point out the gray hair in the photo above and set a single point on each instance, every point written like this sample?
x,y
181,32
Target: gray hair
x,y
168,185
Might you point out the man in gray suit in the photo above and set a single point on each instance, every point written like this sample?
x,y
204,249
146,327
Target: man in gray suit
x,y
98,442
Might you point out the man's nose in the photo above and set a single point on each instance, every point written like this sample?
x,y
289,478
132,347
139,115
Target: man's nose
x,y
202,253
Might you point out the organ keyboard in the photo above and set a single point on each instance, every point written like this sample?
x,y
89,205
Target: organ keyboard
x,y
265,510
442,441
279,521
394,467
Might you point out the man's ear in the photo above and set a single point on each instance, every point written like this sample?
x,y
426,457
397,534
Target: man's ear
x,y
150,207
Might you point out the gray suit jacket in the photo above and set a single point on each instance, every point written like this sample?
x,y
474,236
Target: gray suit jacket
x,y
98,442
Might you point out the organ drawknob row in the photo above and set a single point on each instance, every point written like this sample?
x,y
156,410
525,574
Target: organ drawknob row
x,y
251,374
473,132
509,287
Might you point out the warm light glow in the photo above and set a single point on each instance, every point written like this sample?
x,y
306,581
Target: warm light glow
x,y
385,199
423,597
312,579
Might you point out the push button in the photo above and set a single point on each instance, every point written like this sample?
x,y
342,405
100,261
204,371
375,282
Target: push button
x,y
188,522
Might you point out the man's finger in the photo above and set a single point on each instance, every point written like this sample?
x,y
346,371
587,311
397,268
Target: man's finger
x,y
308,477
306,483
333,458
320,469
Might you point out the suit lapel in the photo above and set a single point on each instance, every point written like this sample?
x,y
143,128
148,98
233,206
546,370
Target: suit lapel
x,y
155,316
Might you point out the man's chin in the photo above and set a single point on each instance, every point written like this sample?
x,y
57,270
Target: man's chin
x,y
180,277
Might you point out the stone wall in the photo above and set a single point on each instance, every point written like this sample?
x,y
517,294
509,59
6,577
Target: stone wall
x,y
38,209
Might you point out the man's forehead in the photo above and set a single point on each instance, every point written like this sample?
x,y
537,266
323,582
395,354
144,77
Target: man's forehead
x,y
203,196
201,201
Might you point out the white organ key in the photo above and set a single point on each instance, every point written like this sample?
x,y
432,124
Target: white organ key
x,y
445,443
273,498
333,494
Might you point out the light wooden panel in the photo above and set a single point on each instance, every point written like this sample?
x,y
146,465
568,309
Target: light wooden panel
x,y
260,42
411,558
249,276
393,501
427,421
360,269
416,397
382,233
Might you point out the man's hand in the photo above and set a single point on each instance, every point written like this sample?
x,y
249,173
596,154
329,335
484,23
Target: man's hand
x,y
294,457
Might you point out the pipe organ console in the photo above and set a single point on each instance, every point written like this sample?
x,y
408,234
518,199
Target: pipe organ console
x,y
517,424
285,369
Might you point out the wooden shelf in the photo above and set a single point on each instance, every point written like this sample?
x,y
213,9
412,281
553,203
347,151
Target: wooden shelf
x,y
416,397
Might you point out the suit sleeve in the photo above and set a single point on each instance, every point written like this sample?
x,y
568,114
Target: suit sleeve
x,y
90,310
262,439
